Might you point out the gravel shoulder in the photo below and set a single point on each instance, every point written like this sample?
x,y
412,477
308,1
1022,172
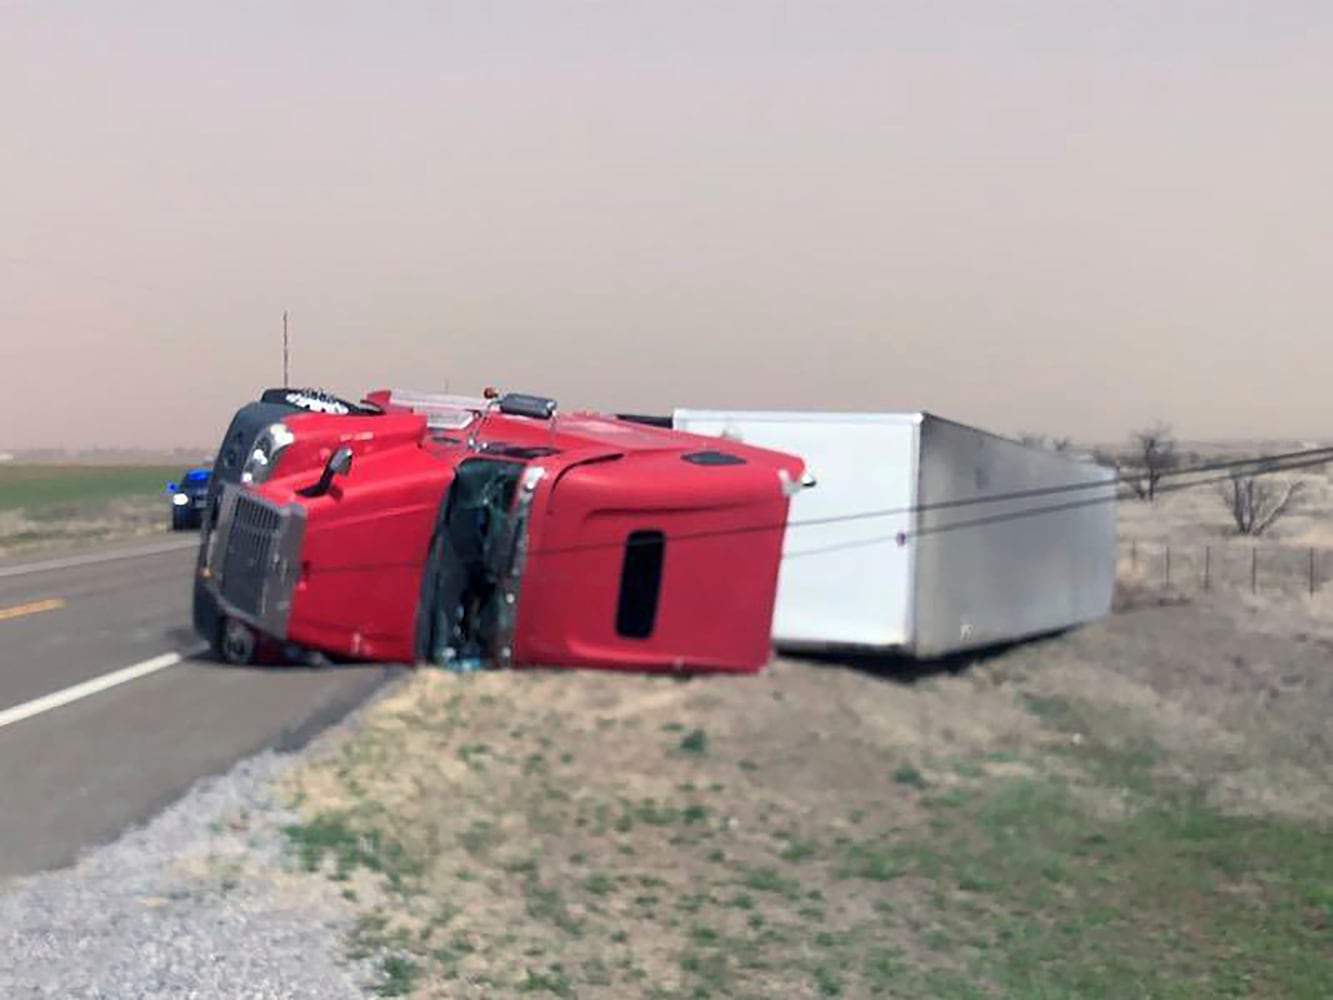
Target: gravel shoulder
x,y
199,902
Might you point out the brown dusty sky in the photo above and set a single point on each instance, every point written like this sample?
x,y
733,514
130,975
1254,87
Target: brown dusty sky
x,y
1065,216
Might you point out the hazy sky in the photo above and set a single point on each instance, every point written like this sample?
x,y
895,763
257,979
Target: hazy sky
x,y
1064,216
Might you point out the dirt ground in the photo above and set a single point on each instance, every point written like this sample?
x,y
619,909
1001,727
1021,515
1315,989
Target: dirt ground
x,y
1098,814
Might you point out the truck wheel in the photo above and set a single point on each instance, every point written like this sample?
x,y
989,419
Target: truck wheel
x,y
236,643
177,522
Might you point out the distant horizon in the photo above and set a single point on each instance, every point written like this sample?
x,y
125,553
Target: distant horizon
x,y
1086,443
18,455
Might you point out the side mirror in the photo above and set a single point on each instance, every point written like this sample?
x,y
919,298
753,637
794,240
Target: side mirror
x,y
339,464
171,487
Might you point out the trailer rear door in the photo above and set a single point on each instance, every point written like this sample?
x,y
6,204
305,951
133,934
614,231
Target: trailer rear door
x,y
845,578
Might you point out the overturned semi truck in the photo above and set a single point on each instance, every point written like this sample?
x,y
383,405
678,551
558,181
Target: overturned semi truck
x,y
413,527
928,537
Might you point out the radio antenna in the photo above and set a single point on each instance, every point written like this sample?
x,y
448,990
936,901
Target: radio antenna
x,y
285,381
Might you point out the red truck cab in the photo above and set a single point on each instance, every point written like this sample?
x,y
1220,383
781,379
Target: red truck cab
x,y
416,527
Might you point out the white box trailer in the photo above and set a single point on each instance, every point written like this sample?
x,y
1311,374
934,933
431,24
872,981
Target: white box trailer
x,y
896,547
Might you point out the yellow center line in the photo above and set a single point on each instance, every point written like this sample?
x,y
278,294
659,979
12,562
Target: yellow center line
x,y
36,607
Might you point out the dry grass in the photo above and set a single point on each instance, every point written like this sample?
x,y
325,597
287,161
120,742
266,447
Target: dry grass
x,y
72,525
64,506
1207,553
44,486
1138,808
1032,824
1199,516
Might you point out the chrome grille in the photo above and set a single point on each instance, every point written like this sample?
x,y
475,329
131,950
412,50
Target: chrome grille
x,y
252,540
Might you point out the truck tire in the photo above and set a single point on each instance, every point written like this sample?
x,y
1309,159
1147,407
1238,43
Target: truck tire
x,y
236,643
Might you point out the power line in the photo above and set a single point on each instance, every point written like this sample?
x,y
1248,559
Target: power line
x,y
1119,480
1032,512
1017,515
1312,457
1274,463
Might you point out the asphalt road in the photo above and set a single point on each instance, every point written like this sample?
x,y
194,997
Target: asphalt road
x,y
88,748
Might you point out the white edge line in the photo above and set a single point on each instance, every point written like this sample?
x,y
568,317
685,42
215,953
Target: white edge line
x,y
68,562
97,685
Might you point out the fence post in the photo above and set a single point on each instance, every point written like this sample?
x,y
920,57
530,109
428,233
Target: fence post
x,y
1312,571
1168,564
1254,569
1207,567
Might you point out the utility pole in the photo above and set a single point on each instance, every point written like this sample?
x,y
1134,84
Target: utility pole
x,y
285,382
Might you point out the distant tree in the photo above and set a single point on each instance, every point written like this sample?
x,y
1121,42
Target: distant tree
x,y
1033,440
1256,502
1152,455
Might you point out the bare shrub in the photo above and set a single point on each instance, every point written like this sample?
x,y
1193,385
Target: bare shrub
x,y
1255,502
1152,455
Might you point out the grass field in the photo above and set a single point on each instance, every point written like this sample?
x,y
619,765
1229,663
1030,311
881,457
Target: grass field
x,y
1120,812
36,486
58,506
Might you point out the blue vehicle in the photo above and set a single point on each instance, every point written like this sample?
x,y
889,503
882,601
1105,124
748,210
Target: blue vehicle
x,y
189,499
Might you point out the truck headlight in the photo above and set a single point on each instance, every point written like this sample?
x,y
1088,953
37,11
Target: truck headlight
x,y
180,499
273,440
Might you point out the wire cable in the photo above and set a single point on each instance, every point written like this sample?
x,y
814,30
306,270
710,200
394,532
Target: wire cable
x,y
1074,505
1310,458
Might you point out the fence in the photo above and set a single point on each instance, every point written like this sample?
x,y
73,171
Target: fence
x,y
1257,568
